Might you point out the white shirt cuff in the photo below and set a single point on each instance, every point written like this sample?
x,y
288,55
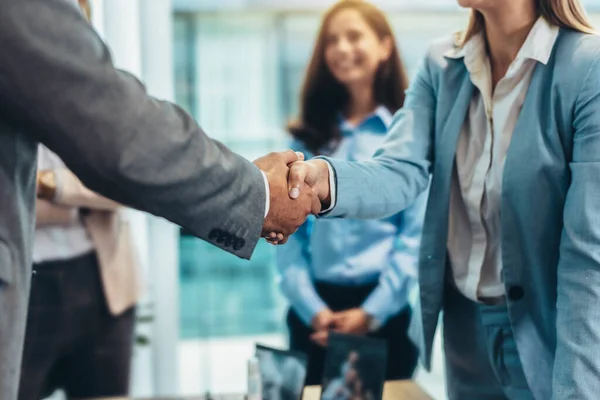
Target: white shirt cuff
x,y
332,188
267,194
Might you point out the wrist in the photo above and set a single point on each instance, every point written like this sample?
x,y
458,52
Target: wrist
x,y
319,319
322,188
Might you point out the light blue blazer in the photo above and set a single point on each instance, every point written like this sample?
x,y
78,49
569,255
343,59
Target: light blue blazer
x,y
550,206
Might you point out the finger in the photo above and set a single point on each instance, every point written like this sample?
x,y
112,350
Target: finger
x,y
283,241
290,156
318,335
300,155
320,338
315,207
280,236
296,176
338,321
338,316
272,240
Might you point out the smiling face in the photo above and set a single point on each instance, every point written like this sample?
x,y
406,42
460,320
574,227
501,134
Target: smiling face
x,y
353,51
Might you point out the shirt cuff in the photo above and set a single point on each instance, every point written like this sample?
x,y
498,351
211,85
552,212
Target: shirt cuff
x,y
267,194
308,308
332,188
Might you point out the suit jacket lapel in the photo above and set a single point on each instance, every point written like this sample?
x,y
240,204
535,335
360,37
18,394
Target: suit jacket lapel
x,y
456,97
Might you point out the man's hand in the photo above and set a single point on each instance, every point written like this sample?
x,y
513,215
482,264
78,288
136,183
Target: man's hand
x,y
314,173
285,215
354,321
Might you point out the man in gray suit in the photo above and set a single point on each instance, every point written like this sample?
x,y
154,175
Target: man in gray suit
x,y
59,86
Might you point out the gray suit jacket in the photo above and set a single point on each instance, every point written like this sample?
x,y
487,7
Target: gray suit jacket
x,y
58,86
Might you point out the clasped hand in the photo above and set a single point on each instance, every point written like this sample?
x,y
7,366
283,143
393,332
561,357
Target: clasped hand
x,y
354,321
297,189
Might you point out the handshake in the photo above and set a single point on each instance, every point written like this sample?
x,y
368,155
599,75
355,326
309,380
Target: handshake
x,y
297,188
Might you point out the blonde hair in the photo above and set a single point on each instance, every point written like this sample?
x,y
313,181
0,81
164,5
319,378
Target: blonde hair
x,y
568,14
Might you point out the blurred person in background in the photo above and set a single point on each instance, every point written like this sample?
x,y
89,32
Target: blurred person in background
x,y
505,116
81,317
351,276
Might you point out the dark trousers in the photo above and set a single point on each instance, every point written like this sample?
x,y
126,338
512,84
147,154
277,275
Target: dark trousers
x,y
72,342
402,354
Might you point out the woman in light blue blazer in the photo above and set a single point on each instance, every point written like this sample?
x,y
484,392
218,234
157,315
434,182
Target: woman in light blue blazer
x,y
351,276
506,118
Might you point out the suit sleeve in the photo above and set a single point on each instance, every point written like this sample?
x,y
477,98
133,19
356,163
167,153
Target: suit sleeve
x,y
577,358
59,86
399,170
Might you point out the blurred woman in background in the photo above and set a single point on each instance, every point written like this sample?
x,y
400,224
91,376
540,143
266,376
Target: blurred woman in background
x,y
351,276
85,284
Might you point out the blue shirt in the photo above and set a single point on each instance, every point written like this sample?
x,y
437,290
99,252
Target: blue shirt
x,y
354,252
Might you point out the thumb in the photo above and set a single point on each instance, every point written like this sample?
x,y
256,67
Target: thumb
x,y
290,156
296,177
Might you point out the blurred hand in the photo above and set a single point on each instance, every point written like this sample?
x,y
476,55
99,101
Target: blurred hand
x,y
45,185
322,323
314,173
323,320
320,338
285,215
354,321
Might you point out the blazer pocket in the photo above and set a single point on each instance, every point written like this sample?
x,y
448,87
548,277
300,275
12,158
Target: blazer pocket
x,y
6,263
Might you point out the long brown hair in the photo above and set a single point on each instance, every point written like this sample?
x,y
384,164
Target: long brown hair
x,y
568,14
323,97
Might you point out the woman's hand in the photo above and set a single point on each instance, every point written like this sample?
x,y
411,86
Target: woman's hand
x,y
315,173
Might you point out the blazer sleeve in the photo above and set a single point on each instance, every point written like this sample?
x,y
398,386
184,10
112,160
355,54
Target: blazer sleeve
x,y
577,357
59,86
399,170
399,279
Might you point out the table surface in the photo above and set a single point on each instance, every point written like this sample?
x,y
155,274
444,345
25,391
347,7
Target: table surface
x,y
395,390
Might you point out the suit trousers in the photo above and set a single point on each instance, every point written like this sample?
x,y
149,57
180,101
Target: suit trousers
x,y
72,342
402,354
482,360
